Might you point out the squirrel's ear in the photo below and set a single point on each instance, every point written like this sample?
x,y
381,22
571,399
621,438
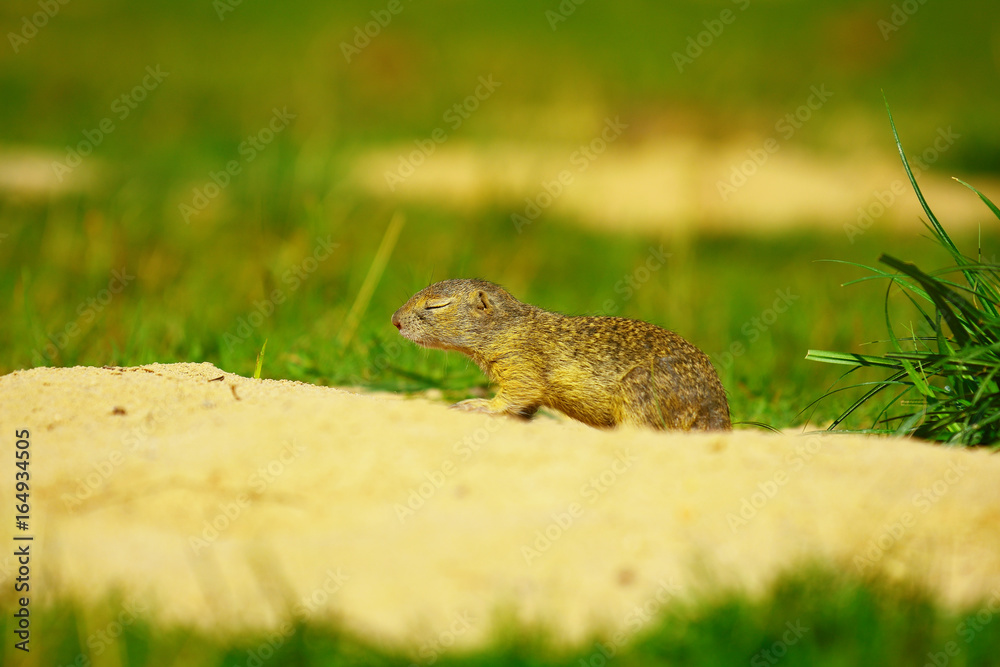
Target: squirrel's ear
x,y
482,302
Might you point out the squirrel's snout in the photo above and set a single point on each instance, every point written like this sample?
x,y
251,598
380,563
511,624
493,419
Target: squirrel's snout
x,y
395,321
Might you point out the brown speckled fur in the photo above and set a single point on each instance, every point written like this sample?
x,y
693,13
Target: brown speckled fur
x,y
603,371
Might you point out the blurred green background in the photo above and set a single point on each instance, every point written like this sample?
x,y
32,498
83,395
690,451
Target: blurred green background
x,y
203,80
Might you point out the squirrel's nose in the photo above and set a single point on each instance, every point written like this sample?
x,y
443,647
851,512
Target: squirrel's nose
x,y
395,321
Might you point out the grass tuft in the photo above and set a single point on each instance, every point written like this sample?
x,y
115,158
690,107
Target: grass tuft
x,y
944,377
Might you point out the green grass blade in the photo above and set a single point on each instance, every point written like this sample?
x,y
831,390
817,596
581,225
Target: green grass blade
x,y
260,361
881,416
917,377
850,359
986,200
871,393
942,297
938,229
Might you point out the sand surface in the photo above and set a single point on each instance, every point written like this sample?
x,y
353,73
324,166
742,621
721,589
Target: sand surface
x,y
211,499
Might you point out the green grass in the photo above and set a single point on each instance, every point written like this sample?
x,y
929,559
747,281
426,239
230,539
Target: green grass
x,y
226,75
812,617
189,301
260,361
943,379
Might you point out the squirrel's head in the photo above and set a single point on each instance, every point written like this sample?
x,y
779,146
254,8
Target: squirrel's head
x,y
458,315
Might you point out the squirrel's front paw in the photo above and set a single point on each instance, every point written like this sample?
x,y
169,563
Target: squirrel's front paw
x,y
474,405
493,407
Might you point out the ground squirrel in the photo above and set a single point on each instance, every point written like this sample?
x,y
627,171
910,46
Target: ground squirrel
x,y
603,371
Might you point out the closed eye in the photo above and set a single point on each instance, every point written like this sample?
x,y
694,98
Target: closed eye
x,y
434,305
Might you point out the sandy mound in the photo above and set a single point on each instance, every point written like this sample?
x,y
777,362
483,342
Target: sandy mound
x,y
219,500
